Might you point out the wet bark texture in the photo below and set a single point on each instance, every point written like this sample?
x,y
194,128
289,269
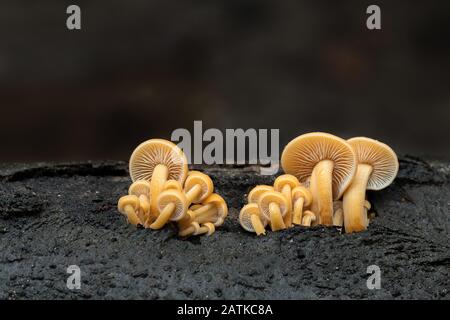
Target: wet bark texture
x,y
56,215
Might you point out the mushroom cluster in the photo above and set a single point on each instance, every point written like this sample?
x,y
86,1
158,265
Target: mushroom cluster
x,y
164,190
325,184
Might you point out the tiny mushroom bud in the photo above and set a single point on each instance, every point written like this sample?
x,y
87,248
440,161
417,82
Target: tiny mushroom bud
x,y
141,189
308,217
158,160
256,192
251,219
172,205
331,163
338,215
376,169
273,206
197,187
128,206
301,197
284,184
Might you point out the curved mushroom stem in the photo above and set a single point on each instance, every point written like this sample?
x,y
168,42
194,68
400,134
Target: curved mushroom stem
x,y
308,218
257,224
298,211
206,209
186,231
163,217
193,229
131,215
204,229
193,193
322,188
287,192
159,177
144,210
186,220
355,217
276,219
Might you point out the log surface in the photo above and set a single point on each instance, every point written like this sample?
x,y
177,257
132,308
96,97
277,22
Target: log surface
x,y
56,215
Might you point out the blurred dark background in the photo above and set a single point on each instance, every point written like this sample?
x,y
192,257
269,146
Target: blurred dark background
x,y
140,69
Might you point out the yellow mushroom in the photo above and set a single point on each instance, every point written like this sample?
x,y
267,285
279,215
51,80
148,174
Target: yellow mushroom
x,y
128,206
214,209
301,197
273,206
197,187
284,184
172,205
141,189
157,161
251,219
329,161
308,218
256,192
377,168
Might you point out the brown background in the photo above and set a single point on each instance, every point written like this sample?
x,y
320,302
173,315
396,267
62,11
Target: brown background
x,y
140,69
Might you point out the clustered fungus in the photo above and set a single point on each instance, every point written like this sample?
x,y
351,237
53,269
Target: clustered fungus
x,y
164,190
325,183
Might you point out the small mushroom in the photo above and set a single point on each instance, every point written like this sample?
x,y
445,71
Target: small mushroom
x,y
284,184
214,209
273,206
251,219
377,168
172,205
308,217
141,189
128,206
197,187
256,192
301,197
157,161
331,163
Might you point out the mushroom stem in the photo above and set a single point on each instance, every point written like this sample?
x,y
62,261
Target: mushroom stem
x,y
298,211
355,217
187,231
144,210
163,217
131,215
205,218
257,225
193,193
321,186
204,210
308,217
276,219
287,192
159,177
204,229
